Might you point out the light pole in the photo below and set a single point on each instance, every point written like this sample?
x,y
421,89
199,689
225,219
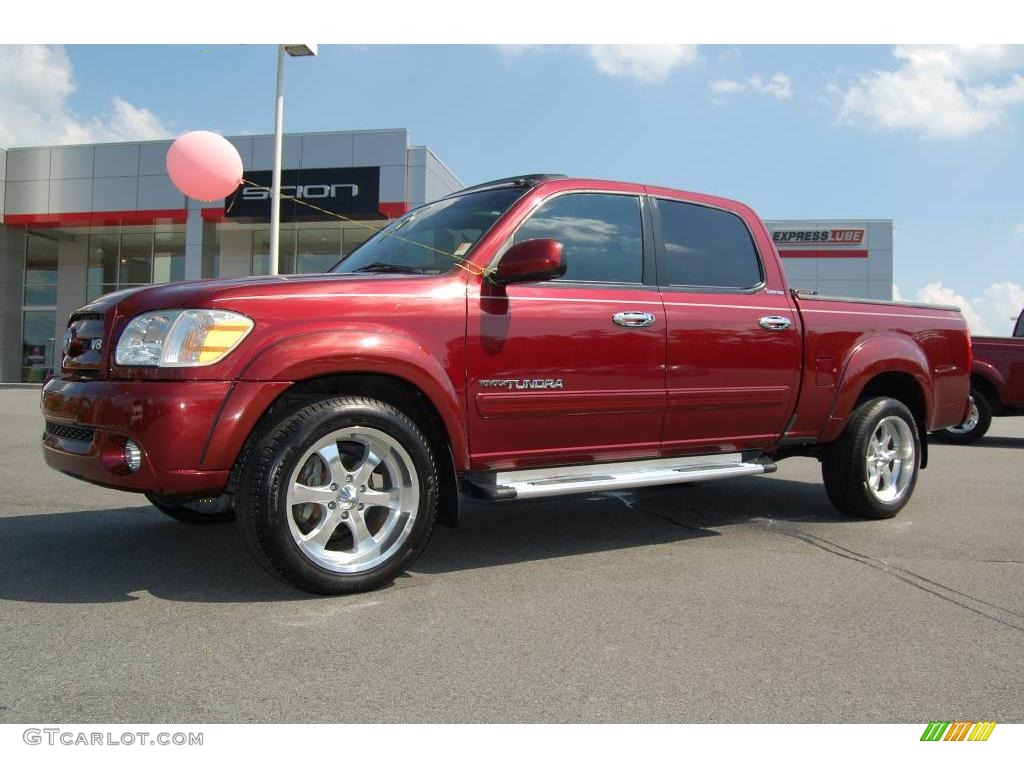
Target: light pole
x,y
301,49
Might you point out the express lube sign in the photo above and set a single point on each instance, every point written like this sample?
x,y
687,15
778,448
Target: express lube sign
x,y
818,237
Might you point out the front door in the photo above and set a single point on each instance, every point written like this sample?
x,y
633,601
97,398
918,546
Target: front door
x,y
570,371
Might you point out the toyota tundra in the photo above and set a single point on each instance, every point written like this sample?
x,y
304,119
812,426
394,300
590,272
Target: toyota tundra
x,y
525,338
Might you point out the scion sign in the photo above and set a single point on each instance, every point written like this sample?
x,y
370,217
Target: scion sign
x,y
348,191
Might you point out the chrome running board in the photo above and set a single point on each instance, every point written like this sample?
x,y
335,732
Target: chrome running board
x,y
587,478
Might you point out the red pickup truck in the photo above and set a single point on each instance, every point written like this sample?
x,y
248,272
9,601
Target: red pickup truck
x,y
997,384
529,337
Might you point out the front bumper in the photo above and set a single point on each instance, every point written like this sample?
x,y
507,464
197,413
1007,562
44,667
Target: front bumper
x,y
189,432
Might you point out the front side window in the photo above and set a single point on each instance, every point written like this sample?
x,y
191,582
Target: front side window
x,y
601,235
431,240
1019,330
706,247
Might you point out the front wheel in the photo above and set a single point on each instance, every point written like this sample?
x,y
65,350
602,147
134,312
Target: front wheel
x,y
871,470
978,421
339,496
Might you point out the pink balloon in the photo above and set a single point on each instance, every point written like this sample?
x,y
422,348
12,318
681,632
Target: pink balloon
x,y
204,165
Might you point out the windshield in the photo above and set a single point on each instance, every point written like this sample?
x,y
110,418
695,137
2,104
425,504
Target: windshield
x,y
432,239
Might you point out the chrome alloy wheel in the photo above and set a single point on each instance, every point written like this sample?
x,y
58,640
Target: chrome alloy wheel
x,y
352,500
968,426
890,459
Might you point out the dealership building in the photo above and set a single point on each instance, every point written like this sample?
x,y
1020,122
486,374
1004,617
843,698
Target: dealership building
x,y
78,221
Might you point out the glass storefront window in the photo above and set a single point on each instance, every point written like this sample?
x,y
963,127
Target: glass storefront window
x,y
136,263
40,271
211,257
169,257
102,275
37,344
261,252
354,237
317,250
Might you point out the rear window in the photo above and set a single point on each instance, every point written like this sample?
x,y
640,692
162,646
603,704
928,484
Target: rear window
x,y
706,247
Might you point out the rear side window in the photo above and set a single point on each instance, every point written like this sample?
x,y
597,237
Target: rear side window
x,y
601,235
1019,330
706,247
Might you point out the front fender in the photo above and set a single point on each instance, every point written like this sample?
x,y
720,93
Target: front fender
x,y
870,358
338,351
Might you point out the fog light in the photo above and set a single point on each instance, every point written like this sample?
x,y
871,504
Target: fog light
x,y
132,456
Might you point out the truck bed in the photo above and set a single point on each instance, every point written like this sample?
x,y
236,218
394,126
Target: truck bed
x,y
845,338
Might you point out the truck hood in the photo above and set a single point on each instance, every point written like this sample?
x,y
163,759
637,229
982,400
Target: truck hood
x,y
208,293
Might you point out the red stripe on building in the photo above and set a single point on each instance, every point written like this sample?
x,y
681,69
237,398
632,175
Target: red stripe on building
x,y
388,210
393,210
156,216
819,254
97,218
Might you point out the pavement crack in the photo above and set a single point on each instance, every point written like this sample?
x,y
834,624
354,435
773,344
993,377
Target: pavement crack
x,y
966,601
635,507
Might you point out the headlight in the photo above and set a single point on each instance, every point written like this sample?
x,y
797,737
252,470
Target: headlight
x,y
181,337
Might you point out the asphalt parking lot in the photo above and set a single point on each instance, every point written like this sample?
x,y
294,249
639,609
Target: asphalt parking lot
x,y
743,601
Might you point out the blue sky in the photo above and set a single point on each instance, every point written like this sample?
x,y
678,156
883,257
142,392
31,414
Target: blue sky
x,y
930,137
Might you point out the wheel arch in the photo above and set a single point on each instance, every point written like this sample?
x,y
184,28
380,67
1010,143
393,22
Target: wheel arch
x,y
393,390
986,380
384,366
885,367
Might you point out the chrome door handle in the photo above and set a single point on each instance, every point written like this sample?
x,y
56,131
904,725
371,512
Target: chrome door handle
x,y
633,319
775,323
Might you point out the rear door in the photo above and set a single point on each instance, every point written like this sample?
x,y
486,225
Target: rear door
x,y
734,337
571,371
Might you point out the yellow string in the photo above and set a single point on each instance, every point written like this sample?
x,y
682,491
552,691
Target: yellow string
x,y
459,261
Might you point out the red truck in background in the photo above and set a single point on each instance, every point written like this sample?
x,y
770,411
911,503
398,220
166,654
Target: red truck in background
x,y
997,384
530,337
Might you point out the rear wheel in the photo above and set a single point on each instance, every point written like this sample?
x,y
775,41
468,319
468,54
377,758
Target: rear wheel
x,y
978,421
339,496
871,470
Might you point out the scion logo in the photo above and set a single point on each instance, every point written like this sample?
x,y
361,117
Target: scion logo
x,y
522,384
302,191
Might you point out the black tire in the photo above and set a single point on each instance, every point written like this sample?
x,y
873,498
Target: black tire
x,y
261,501
975,433
193,513
844,462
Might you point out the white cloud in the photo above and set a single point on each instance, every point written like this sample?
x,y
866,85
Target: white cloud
x,y
647,63
937,293
778,86
725,87
1019,230
35,83
989,313
936,90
